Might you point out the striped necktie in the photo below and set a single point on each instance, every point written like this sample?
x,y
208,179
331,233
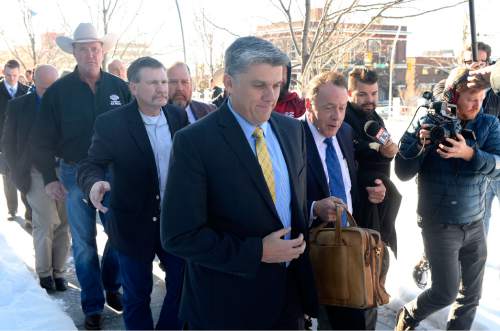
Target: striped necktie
x,y
264,160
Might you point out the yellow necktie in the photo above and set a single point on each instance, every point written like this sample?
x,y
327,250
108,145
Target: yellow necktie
x,y
264,160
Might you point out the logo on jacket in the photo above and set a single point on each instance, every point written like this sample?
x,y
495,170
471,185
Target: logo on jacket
x,y
114,100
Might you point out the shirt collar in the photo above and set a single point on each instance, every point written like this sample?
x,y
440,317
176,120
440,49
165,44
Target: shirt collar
x,y
154,120
247,127
319,139
9,86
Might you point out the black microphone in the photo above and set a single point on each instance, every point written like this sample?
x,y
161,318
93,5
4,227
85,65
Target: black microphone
x,y
377,132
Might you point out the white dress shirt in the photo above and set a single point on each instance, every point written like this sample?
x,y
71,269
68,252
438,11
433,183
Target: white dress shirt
x,y
12,90
161,143
190,114
319,139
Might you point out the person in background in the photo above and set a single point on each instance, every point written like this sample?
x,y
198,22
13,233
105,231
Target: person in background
x,y
63,131
50,227
180,92
11,88
289,103
117,68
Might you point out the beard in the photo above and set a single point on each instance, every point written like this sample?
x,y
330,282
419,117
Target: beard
x,y
366,107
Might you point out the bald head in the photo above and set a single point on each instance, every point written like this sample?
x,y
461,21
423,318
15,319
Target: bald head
x,y
117,68
180,87
45,75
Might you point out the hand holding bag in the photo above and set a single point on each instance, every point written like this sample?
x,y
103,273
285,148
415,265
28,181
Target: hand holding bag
x,y
347,264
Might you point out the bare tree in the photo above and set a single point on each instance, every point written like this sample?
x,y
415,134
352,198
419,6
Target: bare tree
x,y
322,42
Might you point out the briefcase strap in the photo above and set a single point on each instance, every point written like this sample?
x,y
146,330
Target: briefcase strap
x,y
338,233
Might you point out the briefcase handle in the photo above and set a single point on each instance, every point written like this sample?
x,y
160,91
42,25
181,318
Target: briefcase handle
x,y
338,233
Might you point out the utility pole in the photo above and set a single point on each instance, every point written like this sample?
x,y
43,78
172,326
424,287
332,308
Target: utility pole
x,y
391,66
182,30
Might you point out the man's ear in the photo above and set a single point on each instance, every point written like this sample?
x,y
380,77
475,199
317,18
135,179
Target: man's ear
x,y
133,88
228,82
349,93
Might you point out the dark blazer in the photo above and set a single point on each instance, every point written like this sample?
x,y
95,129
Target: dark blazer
x,y
200,109
120,141
5,97
218,216
317,183
20,117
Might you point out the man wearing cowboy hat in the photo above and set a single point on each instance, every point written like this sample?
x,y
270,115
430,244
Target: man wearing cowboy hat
x,y
63,132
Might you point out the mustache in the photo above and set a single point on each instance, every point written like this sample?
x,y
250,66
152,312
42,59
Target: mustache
x,y
179,94
369,104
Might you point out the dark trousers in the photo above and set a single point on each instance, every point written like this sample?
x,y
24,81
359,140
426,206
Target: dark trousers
x,y
10,191
290,318
137,283
457,257
343,318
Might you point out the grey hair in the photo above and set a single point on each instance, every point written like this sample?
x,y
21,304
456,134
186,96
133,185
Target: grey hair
x,y
135,67
246,51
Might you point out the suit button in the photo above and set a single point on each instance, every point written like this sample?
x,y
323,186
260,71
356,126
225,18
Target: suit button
x,y
157,197
155,219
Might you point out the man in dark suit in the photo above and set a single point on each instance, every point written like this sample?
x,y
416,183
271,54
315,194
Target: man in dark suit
x,y
10,88
237,213
180,92
331,172
135,141
50,228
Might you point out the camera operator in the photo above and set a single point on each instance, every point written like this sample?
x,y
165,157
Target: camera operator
x,y
374,155
452,179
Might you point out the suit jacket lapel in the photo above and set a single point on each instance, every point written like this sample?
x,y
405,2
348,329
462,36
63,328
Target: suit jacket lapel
x,y
140,135
3,90
172,122
198,110
286,149
238,143
314,161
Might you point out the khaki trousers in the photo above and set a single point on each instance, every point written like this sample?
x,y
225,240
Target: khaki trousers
x,y
50,230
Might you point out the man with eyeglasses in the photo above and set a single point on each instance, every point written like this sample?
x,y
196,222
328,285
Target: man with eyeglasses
x,y
180,92
63,132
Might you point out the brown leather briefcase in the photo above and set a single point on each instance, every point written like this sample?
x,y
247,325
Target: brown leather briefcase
x,y
347,265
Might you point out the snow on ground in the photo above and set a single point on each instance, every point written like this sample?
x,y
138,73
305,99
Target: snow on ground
x,y
24,305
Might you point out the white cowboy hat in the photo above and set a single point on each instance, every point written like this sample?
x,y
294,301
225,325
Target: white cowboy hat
x,y
85,33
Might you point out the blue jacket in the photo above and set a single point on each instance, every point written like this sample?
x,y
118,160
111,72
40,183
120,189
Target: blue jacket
x,y
452,191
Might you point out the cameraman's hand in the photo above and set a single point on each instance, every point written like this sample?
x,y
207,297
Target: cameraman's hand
x,y
389,150
425,135
458,149
277,250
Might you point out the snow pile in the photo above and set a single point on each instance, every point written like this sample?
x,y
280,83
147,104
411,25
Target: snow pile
x,y
24,305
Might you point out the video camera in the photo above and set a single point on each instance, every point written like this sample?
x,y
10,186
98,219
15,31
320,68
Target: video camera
x,y
443,121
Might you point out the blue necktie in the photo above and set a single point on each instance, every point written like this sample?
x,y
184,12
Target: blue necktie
x,y
336,183
12,92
